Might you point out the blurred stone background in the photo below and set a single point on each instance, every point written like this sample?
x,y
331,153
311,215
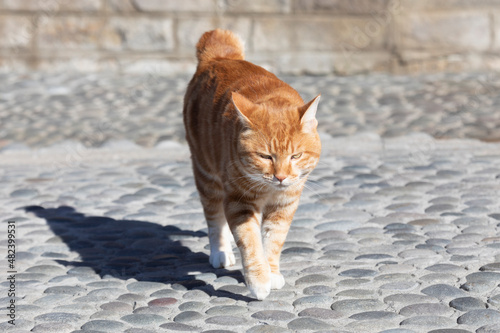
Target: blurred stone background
x,y
287,36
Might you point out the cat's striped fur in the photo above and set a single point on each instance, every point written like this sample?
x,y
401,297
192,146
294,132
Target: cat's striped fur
x,y
253,143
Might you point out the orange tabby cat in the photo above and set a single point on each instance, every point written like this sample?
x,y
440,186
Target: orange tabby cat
x,y
253,143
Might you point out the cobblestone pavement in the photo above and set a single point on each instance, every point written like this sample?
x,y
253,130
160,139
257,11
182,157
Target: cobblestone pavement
x,y
393,234
41,110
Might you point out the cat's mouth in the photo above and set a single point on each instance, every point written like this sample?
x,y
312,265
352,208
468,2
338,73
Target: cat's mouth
x,y
272,182
280,185
284,184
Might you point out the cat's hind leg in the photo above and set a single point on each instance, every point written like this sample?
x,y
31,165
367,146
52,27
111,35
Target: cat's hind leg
x,y
221,251
219,235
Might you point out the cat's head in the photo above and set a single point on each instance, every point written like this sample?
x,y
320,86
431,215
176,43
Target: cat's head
x,y
280,145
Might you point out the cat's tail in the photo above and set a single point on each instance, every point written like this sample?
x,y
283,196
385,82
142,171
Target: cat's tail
x,y
219,44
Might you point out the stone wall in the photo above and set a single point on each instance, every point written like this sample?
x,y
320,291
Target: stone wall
x,y
288,36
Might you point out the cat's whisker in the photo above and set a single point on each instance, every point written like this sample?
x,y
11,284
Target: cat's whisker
x,y
251,188
311,183
321,163
248,176
309,188
317,183
317,191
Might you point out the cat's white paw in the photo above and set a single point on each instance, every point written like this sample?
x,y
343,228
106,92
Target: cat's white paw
x,y
260,290
277,281
222,259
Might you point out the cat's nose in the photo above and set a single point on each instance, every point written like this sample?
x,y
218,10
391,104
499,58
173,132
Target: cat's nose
x,y
280,177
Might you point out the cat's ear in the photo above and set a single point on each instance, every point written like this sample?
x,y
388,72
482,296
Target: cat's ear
x,y
243,106
308,115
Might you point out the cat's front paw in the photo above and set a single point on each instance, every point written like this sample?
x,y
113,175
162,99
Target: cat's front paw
x,y
277,281
222,259
260,290
259,282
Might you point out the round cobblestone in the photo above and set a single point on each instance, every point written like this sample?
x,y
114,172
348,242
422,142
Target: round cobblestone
x,y
358,273
467,304
50,328
357,305
179,327
226,320
267,329
493,328
103,326
493,267
320,313
483,277
196,295
165,293
143,319
144,287
187,316
317,290
192,306
273,315
59,317
226,310
167,301
312,279
131,298
494,300
428,321
300,324
67,290
255,306
426,309
444,291
24,193
356,293
311,300
480,317
138,330
373,315
106,293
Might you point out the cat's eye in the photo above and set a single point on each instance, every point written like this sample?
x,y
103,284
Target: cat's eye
x,y
296,156
267,157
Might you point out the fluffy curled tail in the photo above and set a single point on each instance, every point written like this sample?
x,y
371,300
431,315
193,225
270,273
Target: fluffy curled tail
x,y
219,44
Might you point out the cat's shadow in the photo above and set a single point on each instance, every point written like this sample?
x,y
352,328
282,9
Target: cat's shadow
x,y
127,249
